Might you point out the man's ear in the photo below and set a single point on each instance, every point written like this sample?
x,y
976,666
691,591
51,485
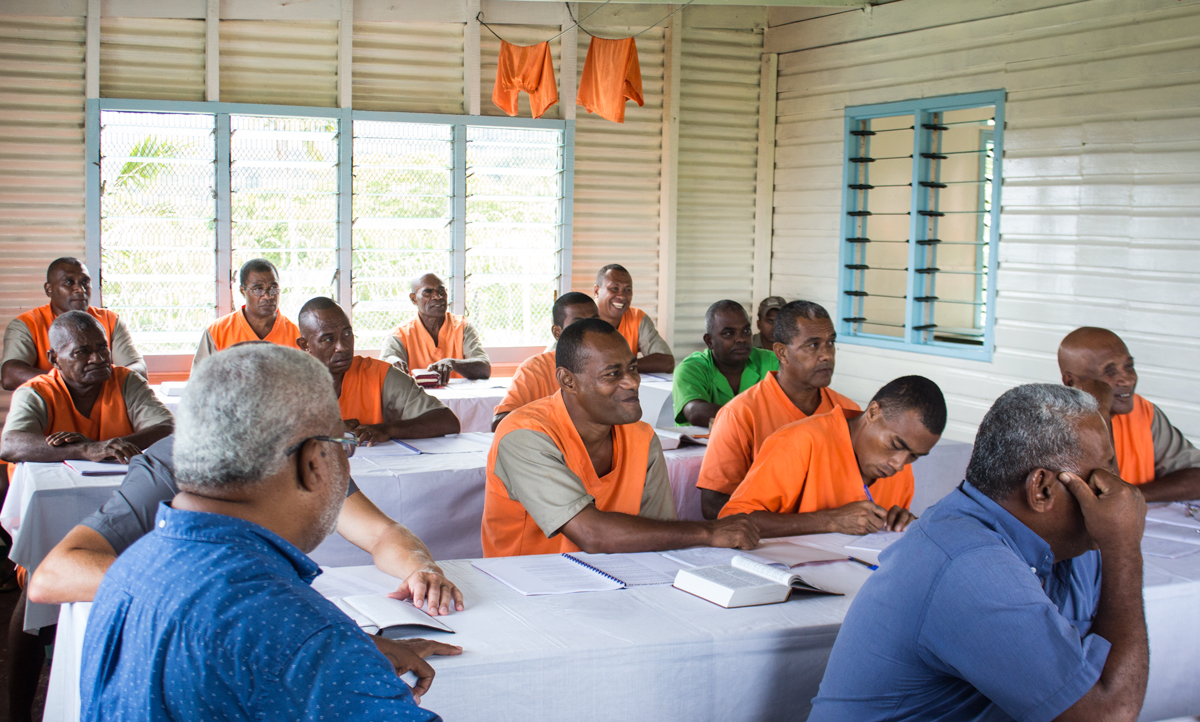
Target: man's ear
x,y
413,297
595,291
873,411
1069,379
1041,489
556,331
708,340
302,343
314,465
780,352
46,288
52,357
566,379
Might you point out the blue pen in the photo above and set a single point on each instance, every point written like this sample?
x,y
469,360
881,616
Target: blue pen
x,y
868,490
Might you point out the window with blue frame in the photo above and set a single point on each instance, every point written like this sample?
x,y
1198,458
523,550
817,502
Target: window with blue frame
x,y
346,204
920,224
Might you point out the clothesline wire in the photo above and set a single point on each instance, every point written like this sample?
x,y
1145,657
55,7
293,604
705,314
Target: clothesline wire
x,y
579,23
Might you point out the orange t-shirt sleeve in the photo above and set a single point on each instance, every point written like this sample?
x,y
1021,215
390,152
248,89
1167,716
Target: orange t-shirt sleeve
x,y
730,446
778,478
526,387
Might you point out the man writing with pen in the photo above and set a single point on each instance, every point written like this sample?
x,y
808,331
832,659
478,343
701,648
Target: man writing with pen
x,y
845,471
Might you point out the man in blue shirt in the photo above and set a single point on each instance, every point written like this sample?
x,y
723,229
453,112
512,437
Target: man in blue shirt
x,y
211,615
995,605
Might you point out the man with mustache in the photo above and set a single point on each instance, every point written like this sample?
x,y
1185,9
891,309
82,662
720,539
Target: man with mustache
x,y
27,337
1150,451
535,377
258,320
436,339
579,471
768,309
847,472
378,402
804,345
614,294
709,379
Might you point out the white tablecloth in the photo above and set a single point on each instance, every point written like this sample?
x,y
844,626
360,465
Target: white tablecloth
x,y
657,653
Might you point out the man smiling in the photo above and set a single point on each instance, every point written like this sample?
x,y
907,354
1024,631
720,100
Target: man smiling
x,y
614,297
709,379
1150,451
845,472
436,339
578,470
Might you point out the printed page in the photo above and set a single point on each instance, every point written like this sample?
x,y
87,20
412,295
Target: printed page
x,y
794,555
729,577
334,583
636,570
544,574
710,556
387,612
875,542
452,444
768,573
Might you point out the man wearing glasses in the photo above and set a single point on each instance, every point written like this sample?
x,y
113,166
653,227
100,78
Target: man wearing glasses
x,y
258,320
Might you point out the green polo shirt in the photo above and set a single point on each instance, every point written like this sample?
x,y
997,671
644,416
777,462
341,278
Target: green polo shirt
x,y
697,377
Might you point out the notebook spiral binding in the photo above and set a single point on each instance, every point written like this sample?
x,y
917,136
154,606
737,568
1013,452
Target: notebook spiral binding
x,y
582,563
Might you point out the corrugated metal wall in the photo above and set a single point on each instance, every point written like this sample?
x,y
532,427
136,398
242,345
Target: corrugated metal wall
x,y
284,63
152,58
1099,223
618,176
718,164
41,156
408,67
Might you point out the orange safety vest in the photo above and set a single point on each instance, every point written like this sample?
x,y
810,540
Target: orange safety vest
x,y
508,530
109,418
422,351
611,74
38,322
810,466
1134,443
525,68
233,329
362,390
535,379
744,424
630,325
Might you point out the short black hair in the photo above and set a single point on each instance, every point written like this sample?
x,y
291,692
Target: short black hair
x,y
786,321
569,352
315,305
568,299
256,265
64,261
914,393
710,316
611,267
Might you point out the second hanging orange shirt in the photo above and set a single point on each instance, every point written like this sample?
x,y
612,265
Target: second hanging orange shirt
x,y
611,74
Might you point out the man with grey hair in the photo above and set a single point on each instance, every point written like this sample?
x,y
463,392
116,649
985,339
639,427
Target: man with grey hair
x,y
997,604
212,615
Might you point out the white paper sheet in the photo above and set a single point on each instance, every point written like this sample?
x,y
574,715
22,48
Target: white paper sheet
x,y
386,612
385,449
334,584
875,542
97,468
452,444
712,556
636,570
544,574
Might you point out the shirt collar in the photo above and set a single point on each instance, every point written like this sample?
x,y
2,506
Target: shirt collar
x,y
1033,549
221,529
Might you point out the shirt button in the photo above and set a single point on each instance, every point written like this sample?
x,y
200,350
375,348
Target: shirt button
x,y
161,524
1033,569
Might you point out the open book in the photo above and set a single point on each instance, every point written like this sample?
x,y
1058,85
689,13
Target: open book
x,y
744,583
379,614
578,572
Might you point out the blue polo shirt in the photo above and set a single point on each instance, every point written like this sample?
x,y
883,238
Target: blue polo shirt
x,y
968,618
211,617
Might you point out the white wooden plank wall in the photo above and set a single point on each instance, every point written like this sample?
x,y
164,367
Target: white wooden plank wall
x,y
41,156
152,58
285,63
718,165
408,67
1100,222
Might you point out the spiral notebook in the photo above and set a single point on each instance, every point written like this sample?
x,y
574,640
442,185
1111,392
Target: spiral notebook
x,y
571,573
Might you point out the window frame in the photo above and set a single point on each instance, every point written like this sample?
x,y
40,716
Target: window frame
x,y
345,118
918,108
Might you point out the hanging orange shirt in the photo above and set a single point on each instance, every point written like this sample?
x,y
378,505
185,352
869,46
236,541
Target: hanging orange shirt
x,y
525,68
509,530
611,74
38,322
362,390
1134,443
810,466
109,418
535,379
421,349
743,424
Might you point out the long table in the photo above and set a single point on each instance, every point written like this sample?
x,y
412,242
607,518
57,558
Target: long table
x,y
658,653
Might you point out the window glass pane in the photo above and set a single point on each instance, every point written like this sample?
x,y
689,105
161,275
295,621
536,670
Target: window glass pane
x,y
284,182
403,193
157,238
514,181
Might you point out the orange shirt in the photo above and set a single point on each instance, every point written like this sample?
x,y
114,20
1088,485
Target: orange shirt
x,y
38,322
810,466
525,68
1134,443
422,351
611,74
233,329
508,529
535,379
743,424
109,418
362,390
630,323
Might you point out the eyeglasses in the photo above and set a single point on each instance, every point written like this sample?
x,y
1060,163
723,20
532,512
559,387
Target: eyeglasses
x,y
349,441
259,292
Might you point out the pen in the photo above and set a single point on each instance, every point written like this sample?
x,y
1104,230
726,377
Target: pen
x,y
872,567
868,490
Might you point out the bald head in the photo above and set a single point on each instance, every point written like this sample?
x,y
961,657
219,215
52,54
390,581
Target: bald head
x,y
429,296
1090,355
428,279
326,335
315,309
